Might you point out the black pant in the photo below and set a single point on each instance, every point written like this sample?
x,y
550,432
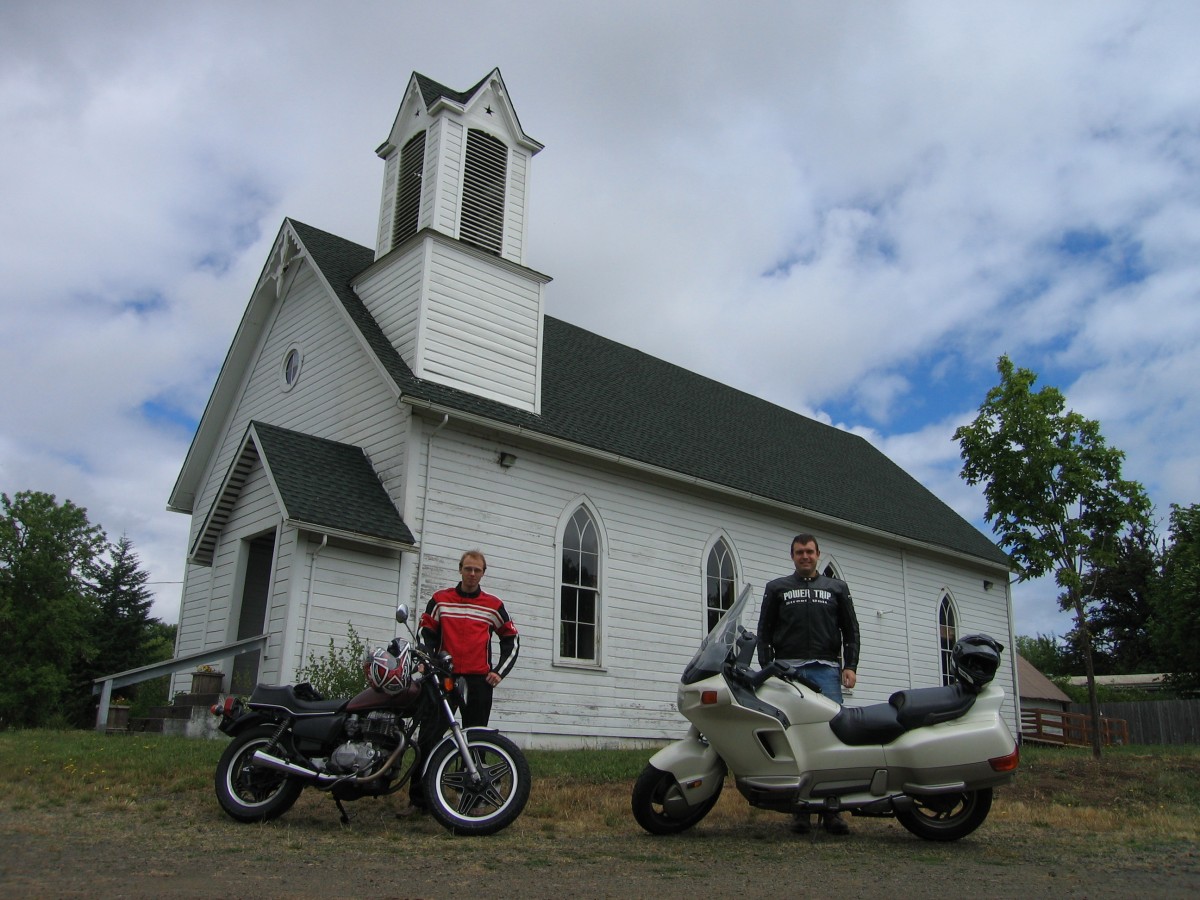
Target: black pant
x,y
431,723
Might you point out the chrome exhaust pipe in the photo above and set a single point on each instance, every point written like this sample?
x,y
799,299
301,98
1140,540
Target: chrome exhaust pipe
x,y
282,765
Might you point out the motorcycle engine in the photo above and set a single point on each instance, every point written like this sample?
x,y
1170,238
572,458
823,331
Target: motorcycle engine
x,y
372,738
353,756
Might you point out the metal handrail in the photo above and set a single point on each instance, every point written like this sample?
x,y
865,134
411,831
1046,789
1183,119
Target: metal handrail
x,y
104,685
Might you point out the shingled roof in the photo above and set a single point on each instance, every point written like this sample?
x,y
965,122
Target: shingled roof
x,y
329,485
600,394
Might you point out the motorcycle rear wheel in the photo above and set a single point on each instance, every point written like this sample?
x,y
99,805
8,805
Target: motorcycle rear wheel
x,y
466,808
947,817
247,791
655,794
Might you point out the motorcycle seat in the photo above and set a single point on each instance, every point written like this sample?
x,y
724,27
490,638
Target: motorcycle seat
x,y
859,726
928,706
882,723
284,696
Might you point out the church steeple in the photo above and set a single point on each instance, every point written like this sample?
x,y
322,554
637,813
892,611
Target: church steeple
x,y
457,162
449,286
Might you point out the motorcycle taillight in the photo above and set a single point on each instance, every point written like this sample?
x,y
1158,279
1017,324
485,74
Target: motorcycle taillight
x,y
230,707
1007,763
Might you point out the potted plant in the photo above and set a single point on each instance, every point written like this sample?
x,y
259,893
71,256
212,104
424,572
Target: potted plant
x,y
207,680
118,713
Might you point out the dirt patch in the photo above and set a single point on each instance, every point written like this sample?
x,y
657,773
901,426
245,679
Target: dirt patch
x,y
1082,846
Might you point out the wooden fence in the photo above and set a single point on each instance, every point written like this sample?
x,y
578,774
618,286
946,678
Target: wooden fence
x,y
1049,726
1155,721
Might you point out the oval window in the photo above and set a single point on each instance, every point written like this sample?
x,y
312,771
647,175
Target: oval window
x,y
291,368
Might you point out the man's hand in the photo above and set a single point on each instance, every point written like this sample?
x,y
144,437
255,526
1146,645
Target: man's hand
x,y
848,678
492,678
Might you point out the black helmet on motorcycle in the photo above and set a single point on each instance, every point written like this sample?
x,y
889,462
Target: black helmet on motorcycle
x,y
974,660
389,672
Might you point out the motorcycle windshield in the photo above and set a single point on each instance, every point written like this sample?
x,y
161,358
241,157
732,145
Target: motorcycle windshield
x,y
717,647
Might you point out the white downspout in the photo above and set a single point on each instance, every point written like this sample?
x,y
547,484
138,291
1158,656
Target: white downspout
x,y
425,505
312,574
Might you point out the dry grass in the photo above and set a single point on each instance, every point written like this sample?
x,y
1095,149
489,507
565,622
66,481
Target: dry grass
x,y
147,803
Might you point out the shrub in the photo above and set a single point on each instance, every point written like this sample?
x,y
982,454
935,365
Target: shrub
x,y
339,672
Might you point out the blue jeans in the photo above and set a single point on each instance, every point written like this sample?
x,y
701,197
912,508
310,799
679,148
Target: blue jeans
x,y
827,678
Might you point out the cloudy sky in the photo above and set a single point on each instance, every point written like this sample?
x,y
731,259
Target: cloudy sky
x,y
850,209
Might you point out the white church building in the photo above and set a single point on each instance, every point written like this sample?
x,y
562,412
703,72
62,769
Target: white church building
x,y
381,410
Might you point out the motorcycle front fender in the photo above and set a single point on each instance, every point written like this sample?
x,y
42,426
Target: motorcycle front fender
x,y
448,738
697,767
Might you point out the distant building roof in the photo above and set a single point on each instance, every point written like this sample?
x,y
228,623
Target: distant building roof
x,y
1035,685
1146,682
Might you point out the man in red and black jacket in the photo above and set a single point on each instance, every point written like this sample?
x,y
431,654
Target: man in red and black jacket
x,y
461,621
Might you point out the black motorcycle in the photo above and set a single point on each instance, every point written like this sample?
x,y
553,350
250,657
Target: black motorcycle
x,y
287,738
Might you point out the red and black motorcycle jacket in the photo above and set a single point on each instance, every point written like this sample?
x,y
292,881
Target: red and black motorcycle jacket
x,y
462,625
808,618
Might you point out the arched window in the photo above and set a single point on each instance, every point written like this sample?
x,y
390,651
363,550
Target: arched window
x,y
579,590
947,635
719,583
485,173
408,190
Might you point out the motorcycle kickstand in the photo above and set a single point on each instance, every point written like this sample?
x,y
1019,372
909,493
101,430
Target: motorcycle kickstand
x,y
342,810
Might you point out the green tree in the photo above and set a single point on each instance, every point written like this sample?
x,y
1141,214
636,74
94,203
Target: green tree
x,y
122,628
122,624
1176,624
1124,592
1045,653
48,557
1054,491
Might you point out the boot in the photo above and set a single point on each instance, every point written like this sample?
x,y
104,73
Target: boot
x,y
835,824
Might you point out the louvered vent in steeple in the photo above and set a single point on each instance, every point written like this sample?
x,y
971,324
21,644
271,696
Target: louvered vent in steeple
x,y
485,172
408,190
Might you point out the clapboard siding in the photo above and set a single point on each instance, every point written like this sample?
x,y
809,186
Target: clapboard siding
x,y
481,328
653,583
392,294
255,513
350,588
339,395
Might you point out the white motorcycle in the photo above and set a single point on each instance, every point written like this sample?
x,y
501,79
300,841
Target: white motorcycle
x,y
930,757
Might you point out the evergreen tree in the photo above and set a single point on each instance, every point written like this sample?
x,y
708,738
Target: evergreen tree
x,y
121,628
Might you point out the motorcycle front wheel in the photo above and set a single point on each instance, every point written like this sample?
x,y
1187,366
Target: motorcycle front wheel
x,y
247,791
947,817
468,807
659,807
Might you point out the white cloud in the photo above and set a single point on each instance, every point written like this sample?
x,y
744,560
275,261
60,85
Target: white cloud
x,y
847,207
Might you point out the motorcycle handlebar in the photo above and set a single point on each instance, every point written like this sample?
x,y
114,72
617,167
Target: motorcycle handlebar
x,y
774,669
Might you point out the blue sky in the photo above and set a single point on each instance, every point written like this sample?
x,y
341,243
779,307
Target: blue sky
x,y
850,209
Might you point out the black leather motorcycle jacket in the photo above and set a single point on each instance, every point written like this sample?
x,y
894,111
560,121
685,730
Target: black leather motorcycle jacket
x,y
808,618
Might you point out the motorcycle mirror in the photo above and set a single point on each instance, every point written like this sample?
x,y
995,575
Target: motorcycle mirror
x,y
402,613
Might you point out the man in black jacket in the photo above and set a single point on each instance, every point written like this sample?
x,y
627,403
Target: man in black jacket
x,y
807,619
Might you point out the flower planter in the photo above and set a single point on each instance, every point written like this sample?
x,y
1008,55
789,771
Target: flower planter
x,y
118,717
207,682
